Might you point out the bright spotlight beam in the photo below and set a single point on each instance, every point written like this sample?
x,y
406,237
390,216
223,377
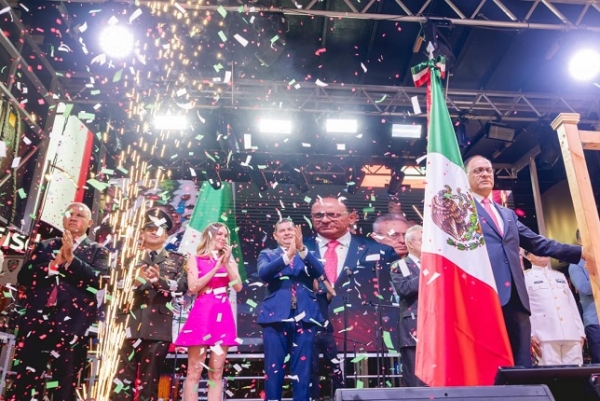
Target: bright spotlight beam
x,y
585,65
116,41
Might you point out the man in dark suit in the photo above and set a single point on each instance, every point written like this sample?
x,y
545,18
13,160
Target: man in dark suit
x,y
60,278
354,264
504,234
405,278
289,313
150,316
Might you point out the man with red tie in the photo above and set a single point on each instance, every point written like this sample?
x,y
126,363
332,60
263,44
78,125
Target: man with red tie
x,y
60,278
504,234
289,313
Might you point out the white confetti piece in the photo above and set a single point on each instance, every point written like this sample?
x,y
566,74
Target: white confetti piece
x,y
241,39
320,83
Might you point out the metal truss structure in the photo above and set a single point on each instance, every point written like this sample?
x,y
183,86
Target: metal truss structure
x,y
516,16
393,101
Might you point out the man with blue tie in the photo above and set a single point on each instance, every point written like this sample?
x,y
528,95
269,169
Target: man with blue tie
x,y
289,313
504,234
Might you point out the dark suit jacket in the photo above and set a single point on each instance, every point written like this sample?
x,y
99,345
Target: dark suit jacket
x,y
406,283
76,305
503,251
151,312
361,289
279,279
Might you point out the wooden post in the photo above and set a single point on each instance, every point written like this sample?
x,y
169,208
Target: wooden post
x,y
572,144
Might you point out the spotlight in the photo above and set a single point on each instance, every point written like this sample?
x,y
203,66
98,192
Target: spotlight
x,y
212,174
116,41
406,131
299,179
396,179
585,65
500,132
270,126
168,122
344,126
354,178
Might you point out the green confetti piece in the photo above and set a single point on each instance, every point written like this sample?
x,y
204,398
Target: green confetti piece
x,y
241,10
274,38
92,290
339,309
308,221
33,216
169,306
368,210
224,217
100,186
251,303
211,383
381,100
315,322
292,82
287,358
359,358
117,76
387,340
199,137
221,10
218,67
234,282
22,193
123,170
118,388
360,384
6,294
143,306
388,383
52,384
108,171
222,36
68,109
95,92
130,357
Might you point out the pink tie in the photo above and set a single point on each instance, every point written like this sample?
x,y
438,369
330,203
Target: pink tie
x,y
331,261
488,208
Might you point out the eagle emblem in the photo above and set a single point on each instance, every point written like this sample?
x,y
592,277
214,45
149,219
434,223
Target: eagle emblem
x,y
455,214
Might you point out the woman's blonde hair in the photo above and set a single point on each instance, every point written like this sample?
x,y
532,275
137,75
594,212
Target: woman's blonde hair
x,y
207,238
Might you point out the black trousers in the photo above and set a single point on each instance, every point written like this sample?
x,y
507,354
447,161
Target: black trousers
x,y
66,354
518,327
407,358
325,344
148,357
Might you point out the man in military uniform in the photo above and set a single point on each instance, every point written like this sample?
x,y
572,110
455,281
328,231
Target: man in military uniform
x,y
148,336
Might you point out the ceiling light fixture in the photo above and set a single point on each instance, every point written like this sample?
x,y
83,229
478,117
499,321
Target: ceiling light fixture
x,y
585,65
272,126
411,131
168,122
116,41
340,125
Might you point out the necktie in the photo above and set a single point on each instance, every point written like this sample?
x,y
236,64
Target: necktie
x,y
293,285
488,208
331,261
51,301
153,256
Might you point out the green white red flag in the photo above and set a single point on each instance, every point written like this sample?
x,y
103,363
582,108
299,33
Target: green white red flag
x,y
461,336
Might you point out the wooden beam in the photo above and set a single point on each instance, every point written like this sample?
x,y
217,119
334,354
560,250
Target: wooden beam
x,y
571,144
590,140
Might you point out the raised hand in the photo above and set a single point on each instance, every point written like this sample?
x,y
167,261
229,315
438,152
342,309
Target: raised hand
x,y
299,244
66,251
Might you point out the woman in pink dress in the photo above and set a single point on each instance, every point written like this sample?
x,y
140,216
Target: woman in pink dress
x,y
210,325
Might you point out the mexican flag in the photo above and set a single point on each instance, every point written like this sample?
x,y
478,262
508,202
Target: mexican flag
x,y
462,338
213,206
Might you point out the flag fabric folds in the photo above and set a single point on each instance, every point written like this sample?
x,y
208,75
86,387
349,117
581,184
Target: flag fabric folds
x,y
212,206
462,338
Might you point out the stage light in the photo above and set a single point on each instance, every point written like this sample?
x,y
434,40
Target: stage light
x,y
116,41
500,132
271,126
354,178
406,131
211,173
343,126
168,122
585,65
396,178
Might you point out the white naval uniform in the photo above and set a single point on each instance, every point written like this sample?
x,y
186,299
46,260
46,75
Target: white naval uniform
x,y
555,319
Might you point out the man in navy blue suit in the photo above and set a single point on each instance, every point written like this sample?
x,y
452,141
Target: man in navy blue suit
x,y
504,234
289,313
359,269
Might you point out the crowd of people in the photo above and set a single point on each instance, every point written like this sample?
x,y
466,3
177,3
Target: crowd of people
x,y
315,289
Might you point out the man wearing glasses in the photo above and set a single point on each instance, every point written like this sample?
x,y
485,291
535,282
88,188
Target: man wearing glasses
x,y
353,264
390,229
504,234
405,278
